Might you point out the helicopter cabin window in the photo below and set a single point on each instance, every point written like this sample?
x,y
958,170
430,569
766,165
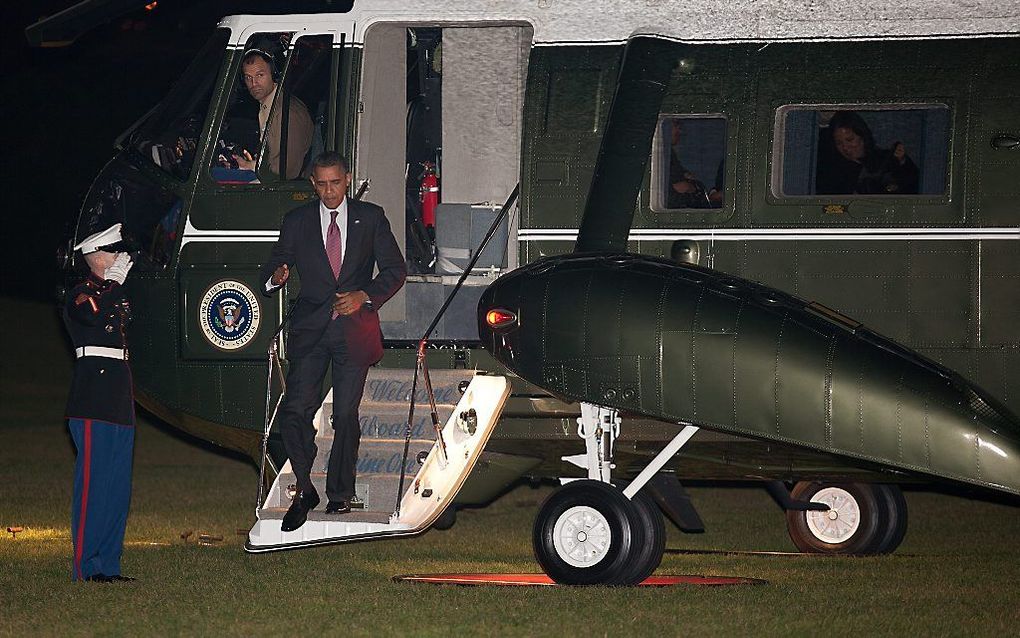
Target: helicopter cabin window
x,y
275,122
688,164
169,135
888,150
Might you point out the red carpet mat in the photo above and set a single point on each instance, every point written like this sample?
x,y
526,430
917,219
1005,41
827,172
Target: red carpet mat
x,y
526,580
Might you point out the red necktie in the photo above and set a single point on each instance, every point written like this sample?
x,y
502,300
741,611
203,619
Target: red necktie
x,y
333,248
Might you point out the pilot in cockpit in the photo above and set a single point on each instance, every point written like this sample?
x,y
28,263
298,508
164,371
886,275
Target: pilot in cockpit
x,y
261,68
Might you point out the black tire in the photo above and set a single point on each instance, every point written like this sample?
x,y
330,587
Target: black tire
x,y
649,534
601,551
895,519
860,512
447,519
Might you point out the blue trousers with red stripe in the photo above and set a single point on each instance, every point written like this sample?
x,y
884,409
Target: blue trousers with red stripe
x,y
102,495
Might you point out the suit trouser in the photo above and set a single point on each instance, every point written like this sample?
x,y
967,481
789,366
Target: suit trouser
x,y
304,395
102,495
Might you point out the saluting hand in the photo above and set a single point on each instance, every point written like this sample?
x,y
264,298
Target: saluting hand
x,y
118,270
281,275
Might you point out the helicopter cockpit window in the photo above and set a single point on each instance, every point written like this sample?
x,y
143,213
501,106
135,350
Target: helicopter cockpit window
x,y
169,135
688,165
888,150
276,121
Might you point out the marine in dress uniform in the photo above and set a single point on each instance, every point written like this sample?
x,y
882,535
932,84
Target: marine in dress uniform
x,y
100,409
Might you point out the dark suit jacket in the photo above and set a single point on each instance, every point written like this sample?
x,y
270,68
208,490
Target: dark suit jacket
x,y
369,242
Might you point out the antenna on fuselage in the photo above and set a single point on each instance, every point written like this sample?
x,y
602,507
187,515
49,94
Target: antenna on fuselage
x,y
623,154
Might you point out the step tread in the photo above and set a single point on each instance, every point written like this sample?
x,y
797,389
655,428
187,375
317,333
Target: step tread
x,y
328,438
316,476
421,407
319,514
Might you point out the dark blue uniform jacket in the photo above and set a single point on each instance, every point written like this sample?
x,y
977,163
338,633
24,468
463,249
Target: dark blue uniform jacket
x,y
96,313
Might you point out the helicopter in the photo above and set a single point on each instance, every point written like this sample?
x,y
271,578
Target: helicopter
x,y
627,137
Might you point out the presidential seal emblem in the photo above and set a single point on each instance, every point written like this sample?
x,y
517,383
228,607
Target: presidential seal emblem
x,y
229,315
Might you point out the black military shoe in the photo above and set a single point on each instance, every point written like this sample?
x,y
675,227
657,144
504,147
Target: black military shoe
x,y
304,502
338,507
103,578
99,578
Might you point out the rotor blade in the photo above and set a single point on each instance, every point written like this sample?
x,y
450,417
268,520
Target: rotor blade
x,y
63,28
623,155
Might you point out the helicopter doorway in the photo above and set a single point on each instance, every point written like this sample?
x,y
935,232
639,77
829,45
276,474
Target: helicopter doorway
x,y
439,136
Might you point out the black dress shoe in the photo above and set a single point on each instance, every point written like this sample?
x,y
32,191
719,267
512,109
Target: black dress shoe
x,y
99,578
103,578
296,516
338,507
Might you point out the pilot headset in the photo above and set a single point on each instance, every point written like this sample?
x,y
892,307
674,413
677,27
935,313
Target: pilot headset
x,y
268,52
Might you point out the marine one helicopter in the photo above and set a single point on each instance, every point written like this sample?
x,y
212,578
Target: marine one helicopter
x,y
838,180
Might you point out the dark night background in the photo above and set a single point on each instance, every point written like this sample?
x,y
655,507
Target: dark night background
x,y
62,109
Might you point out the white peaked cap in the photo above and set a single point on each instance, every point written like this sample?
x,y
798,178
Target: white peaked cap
x,y
92,243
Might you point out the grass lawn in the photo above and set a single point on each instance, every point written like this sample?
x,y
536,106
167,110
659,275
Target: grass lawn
x,y
955,574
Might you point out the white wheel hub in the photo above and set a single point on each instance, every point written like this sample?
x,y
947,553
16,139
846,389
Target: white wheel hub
x,y
581,536
840,522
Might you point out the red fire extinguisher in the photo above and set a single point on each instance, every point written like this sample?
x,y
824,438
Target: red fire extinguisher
x,y
429,193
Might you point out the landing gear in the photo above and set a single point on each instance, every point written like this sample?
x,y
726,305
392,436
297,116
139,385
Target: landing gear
x,y
447,519
650,538
863,519
591,532
896,521
585,534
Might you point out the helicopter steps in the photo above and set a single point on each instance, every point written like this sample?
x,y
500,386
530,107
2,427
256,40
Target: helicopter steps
x,y
429,486
383,418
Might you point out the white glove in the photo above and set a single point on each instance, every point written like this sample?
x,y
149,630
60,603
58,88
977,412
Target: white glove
x,y
119,270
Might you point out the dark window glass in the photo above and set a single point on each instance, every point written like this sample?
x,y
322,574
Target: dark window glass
x,y
690,162
169,135
149,211
901,150
276,120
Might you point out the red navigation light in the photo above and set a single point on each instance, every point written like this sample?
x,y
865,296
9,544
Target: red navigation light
x,y
500,318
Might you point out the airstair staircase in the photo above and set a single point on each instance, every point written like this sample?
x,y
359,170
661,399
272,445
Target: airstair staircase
x,y
432,478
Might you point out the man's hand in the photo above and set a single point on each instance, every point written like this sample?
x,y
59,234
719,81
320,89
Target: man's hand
x,y
281,275
118,271
684,186
348,303
245,161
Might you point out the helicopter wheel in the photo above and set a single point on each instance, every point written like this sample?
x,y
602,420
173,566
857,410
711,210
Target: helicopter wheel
x,y
447,519
583,535
650,540
857,522
895,519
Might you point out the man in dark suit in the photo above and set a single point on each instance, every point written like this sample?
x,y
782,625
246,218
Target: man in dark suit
x,y
335,244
